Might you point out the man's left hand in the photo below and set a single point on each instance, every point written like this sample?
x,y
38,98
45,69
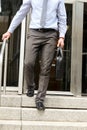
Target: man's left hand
x,y
60,42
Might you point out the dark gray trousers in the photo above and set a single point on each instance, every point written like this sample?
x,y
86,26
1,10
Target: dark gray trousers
x,y
45,43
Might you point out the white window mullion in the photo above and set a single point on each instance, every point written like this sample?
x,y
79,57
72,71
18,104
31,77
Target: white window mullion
x,y
0,6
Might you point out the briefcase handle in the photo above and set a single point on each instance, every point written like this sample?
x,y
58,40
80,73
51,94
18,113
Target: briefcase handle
x,y
59,55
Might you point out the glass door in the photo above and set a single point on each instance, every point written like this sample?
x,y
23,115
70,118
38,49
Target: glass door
x,y
8,8
70,83
63,84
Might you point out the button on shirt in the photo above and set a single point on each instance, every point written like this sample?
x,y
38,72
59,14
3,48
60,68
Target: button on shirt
x,y
55,16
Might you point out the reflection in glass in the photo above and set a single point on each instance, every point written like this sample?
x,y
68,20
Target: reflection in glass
x,y
10,7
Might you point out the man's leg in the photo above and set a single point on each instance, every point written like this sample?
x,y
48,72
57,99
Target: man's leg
x,y
32,47
47,55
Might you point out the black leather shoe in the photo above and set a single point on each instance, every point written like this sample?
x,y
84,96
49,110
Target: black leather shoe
x,y
30,93
40,106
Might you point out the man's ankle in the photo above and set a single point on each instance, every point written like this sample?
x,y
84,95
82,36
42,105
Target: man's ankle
x,y
40,106
30,92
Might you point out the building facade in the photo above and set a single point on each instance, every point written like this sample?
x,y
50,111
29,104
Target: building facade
x,y
74,80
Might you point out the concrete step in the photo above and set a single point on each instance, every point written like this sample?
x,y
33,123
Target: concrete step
x,y
58,102
41,125
32,114
10,113
11,100
10,125
38,125
60,115
50,101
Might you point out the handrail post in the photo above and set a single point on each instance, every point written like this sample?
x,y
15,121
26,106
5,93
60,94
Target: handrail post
x,y
1,64
5,69
0,78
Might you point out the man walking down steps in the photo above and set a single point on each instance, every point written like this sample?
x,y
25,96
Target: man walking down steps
x,y
47,30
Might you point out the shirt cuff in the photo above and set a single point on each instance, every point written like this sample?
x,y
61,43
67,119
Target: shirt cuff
x,y
61,35
10,30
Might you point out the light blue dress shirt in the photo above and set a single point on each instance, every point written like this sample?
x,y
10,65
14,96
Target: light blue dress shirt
x,y
55,18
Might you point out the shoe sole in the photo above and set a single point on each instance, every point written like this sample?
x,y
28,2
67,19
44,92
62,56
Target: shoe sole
x,y
30,95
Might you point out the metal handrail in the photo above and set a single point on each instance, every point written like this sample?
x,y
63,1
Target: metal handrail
x,y
1,61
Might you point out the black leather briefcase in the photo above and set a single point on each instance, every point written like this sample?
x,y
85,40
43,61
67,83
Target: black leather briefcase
x,y
59,64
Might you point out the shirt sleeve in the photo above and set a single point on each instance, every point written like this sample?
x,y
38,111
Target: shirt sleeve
x,y
21,13
61,13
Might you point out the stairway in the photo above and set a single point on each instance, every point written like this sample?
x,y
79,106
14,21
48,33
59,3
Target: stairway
x,y
18,112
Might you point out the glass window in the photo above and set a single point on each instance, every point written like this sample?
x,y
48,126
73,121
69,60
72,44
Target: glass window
x,y
84,56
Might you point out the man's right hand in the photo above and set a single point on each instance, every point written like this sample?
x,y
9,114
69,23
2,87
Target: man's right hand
x,y
6,36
